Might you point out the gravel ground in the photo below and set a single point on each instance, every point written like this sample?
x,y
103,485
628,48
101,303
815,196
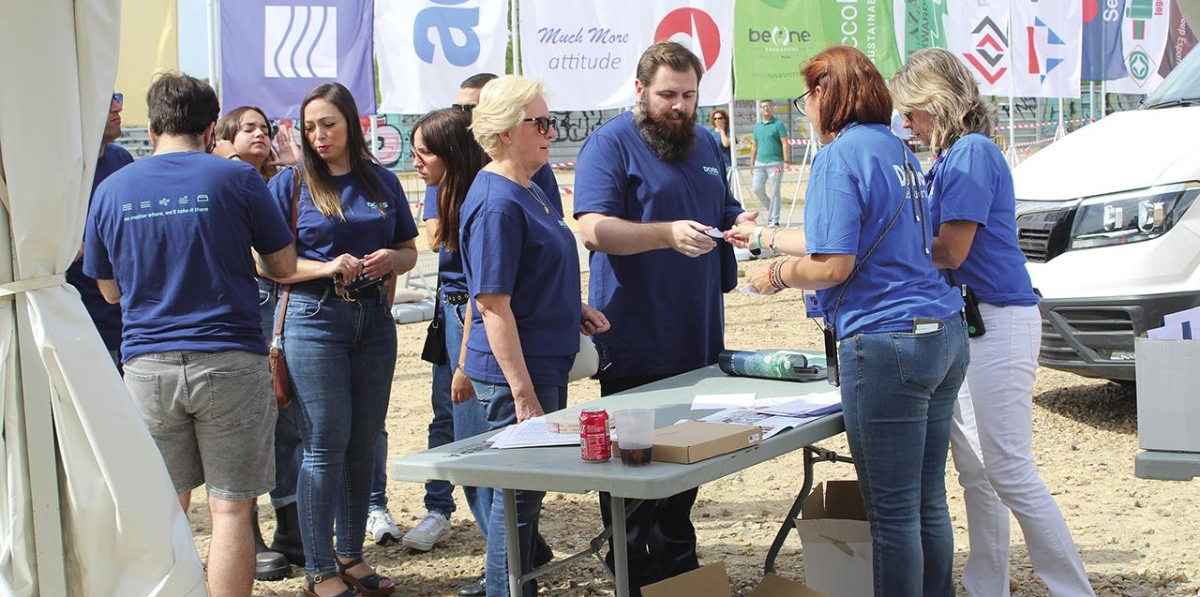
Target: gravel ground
x,y
1137,537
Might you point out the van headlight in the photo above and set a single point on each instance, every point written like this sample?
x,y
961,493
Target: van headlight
x,y
1131,217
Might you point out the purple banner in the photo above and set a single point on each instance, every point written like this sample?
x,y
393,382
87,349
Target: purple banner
x,y
274,52
1103,55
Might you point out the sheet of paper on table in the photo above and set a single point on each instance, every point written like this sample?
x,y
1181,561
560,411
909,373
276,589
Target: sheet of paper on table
x,y
809,405
771,424
710,401
530,434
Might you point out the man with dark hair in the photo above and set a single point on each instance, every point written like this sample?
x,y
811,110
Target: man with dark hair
x,y
113,157
647,180
769,151
170,239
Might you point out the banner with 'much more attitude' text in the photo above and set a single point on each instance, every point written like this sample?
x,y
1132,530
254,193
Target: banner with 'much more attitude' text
x,y
587,56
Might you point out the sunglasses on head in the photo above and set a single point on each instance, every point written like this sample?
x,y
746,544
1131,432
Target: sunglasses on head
x,y
119,98
543,123
464,107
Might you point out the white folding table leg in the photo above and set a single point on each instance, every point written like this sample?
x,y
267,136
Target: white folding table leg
x,y
513,540
620,548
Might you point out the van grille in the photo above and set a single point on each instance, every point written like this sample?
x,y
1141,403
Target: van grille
x,y
1044,235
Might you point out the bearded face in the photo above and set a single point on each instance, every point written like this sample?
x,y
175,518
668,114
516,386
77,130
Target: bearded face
x,y
666,113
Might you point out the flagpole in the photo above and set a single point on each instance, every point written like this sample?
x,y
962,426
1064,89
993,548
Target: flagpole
x,y
1062,129
214,46
1103,107
516,29
1011,154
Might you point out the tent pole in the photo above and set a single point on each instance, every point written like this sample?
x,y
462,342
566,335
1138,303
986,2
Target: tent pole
x,y
214,45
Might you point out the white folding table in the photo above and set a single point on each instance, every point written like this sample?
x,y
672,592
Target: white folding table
x,y
559,469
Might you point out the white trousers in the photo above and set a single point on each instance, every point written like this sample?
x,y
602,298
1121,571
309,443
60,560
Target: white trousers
x,y
991,441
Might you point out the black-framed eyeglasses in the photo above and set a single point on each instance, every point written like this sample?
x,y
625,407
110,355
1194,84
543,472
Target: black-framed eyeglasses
x,y
798,103
543,123
119,98
464,107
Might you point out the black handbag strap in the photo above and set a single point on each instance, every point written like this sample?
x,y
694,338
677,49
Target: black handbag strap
x,y
914,193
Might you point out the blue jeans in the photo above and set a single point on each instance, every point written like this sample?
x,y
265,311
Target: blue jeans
x,y
497,400
378,499
769,174
439,495
341,357
288,449
469,417
898,394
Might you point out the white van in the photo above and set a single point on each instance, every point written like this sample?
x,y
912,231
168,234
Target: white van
x,y
1107,220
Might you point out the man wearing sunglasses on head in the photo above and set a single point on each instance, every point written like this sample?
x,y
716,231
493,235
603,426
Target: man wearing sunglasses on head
x,y
113,157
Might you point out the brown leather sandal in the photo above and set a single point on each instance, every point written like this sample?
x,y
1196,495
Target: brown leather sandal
x,y
371,585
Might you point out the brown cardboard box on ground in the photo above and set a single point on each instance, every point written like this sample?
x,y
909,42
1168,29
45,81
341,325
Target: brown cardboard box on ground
x,y
713,581
836,539
693,441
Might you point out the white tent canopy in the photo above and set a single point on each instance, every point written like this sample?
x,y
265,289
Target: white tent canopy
x,y
86,507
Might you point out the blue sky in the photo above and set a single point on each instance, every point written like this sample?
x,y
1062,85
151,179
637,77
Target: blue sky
x,y
193,37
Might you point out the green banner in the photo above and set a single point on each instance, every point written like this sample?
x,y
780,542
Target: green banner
x,y
773,39
924,22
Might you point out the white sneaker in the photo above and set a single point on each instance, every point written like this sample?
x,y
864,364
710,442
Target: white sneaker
x,y
433,529
381,527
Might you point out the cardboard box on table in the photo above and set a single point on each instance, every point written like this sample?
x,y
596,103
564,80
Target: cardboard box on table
x,y
713,581
693,441
836,539
1168,411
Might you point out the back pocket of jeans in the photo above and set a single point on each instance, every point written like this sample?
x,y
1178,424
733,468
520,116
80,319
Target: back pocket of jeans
x,y
238,397
146,392
922,358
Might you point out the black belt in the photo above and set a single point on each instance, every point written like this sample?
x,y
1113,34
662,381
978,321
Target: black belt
x,y
322,286
455,298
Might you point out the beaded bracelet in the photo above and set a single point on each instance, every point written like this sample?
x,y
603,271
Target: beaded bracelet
x,y
775,276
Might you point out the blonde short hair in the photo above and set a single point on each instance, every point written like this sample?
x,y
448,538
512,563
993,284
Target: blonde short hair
x,y
936,81
501,108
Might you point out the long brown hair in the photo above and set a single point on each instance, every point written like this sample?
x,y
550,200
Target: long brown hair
x,y
852,90
325,195
447,134
230,124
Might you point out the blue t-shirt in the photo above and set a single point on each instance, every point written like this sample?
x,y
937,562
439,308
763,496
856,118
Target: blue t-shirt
x,y
369,225
175,231
107,317
855,189
724,150
970,181
513,245
666,309
768,137
450,272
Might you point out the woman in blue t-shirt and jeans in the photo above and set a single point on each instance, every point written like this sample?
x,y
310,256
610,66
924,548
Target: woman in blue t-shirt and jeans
x,y
903,346
354,226
973,210
522,272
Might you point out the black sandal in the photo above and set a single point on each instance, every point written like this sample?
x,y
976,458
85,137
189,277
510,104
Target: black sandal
x,y
367,586
311,582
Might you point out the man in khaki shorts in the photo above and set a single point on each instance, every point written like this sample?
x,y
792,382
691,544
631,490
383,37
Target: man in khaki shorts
x,y
169,238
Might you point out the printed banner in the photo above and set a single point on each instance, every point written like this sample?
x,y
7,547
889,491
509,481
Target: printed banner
x,y
1179,43
1047,48
586,56
1144,36
772,40
865,24
706,28
1103,58
920,24
978,32
274,52
149,46
427,47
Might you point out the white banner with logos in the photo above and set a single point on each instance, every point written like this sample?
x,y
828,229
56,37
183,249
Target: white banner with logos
x,y
426,48
978,33
1144,33
1047,48
587,56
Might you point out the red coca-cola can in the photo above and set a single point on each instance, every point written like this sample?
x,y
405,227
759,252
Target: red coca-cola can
x,y
595,445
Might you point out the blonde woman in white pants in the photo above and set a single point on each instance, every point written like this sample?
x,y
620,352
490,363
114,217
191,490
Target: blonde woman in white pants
x,y
972,209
